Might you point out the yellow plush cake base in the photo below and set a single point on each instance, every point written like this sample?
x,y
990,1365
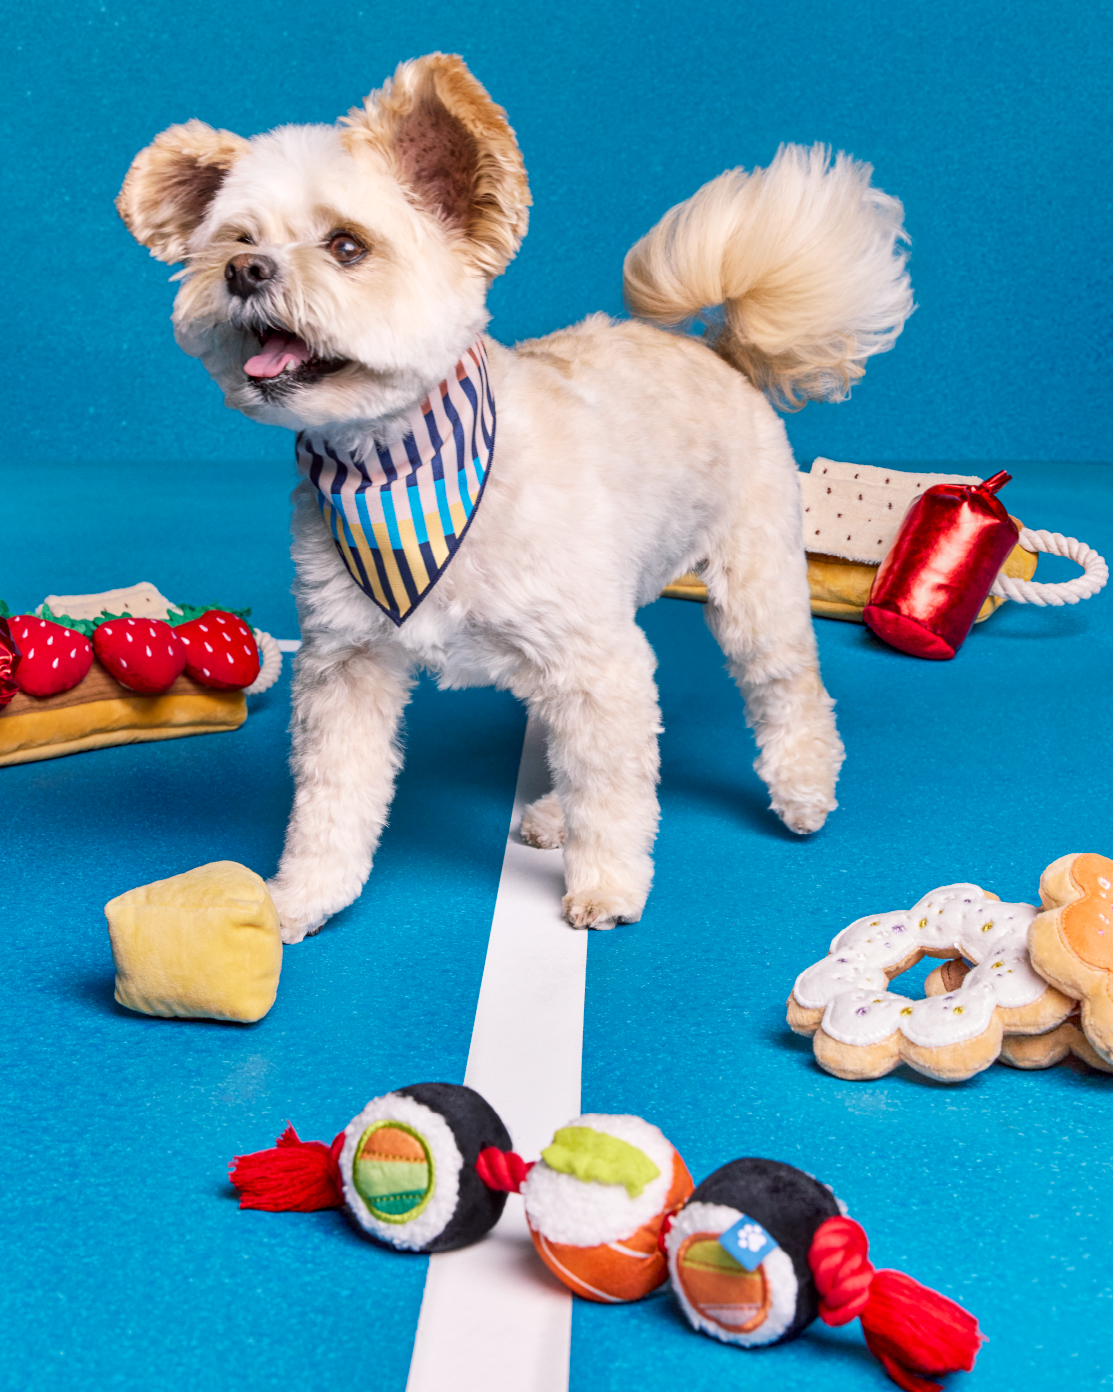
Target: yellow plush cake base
x,y
100,712
841,589
202,945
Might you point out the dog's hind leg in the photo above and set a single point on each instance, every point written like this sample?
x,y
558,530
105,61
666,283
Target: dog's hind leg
x,y
345,757
760,613
543,823
600,711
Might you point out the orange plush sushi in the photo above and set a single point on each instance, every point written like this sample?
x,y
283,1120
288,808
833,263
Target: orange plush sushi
x,y
596,1202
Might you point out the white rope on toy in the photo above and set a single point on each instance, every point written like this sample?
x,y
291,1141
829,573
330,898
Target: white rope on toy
x,y
1094,572
271,664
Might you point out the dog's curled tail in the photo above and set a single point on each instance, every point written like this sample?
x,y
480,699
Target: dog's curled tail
x,y
805,259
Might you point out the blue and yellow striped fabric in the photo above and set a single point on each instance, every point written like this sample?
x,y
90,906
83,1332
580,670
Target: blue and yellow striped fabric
x,y
398,513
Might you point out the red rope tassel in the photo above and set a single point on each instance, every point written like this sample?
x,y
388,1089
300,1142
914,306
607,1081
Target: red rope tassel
x,y
915,1332
295,1177
502,1170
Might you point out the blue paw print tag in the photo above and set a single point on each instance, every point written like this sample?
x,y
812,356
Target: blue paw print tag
x,y
747,1242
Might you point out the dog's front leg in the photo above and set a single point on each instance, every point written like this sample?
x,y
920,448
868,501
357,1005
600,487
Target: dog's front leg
x,y
602,719
345,757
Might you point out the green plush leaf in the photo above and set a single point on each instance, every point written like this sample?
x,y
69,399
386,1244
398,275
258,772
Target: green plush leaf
x,y
186,613
5,612
597,1158
83,626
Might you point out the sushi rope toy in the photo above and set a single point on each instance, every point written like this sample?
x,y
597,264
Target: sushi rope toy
x,y
761,1249
404,1169
755,1253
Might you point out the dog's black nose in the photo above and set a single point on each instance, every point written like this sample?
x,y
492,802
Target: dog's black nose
x,y
247,274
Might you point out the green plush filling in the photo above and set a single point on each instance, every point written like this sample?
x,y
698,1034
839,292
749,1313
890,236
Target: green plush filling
x,y
396,1190
597,1158
711,1255
397,1205
378,1179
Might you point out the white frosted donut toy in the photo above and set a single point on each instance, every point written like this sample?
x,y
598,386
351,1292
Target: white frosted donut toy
x,y
861,1029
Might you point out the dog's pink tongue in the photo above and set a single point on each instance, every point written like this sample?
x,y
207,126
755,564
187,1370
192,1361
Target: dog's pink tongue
x,y
280,351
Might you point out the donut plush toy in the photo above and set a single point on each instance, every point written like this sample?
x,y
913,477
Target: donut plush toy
x,y
1023,986
861,1029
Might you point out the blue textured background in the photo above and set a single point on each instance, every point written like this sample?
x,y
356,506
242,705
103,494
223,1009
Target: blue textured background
x,y
127,1264
990,121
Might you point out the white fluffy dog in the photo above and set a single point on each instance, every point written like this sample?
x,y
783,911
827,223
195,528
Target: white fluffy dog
x,y
346,268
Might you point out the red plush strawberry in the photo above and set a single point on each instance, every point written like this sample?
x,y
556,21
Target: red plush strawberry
x,y
220,650
54,658
144,655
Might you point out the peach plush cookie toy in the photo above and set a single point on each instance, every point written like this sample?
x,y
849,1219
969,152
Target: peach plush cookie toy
x,y
1071,942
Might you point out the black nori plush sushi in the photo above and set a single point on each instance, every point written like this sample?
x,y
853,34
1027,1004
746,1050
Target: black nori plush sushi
x,y
404,1169
774,1211
408,1167
761,1249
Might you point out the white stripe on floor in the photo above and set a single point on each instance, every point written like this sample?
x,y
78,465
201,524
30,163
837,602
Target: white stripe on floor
x,y
492,1318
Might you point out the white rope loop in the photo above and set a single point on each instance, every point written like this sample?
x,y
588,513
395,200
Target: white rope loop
x,y
1094,572
270,664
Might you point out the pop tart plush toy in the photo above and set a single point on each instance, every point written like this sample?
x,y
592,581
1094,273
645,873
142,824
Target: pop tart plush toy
x,y
498,515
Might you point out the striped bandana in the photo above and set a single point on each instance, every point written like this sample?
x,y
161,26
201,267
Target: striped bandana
x,y
398,514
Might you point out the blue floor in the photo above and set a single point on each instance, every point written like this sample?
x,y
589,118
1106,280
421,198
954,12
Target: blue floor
x,y
128,1263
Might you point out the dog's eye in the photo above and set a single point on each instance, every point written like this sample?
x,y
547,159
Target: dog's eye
x,y
243,237
343,247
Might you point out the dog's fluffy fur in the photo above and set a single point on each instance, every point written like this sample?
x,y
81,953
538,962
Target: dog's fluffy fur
x,y
625,455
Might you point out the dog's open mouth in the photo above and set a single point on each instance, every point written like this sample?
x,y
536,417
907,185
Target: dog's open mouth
x,y
284,360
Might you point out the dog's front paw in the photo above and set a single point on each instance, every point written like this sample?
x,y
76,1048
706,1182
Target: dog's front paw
x,y
804,815
296,920
800,768
601,907
543,823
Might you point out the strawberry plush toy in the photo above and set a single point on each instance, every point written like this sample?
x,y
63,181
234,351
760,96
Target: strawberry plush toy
x,y
53,658
145,655
220,650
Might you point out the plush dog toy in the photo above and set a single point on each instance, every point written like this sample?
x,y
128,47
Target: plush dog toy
x,y
761,1249
918,556
755,1253
596,1201
1010,987
404,1169
202,945
498,515
1071,941
121,667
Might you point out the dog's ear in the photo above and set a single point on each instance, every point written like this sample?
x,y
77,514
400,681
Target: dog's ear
x,y
453,150
172,182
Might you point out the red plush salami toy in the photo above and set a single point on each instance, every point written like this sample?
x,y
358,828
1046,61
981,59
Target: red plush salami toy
x,y
929,588
9,660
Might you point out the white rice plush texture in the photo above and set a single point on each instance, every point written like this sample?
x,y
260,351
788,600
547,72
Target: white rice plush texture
x,y
447,1163
779,1273
568,1210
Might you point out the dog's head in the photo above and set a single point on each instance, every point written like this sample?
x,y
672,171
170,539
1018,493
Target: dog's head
x,y
335,273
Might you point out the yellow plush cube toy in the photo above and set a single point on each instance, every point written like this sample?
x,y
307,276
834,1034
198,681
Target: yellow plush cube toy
x,y
203,945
